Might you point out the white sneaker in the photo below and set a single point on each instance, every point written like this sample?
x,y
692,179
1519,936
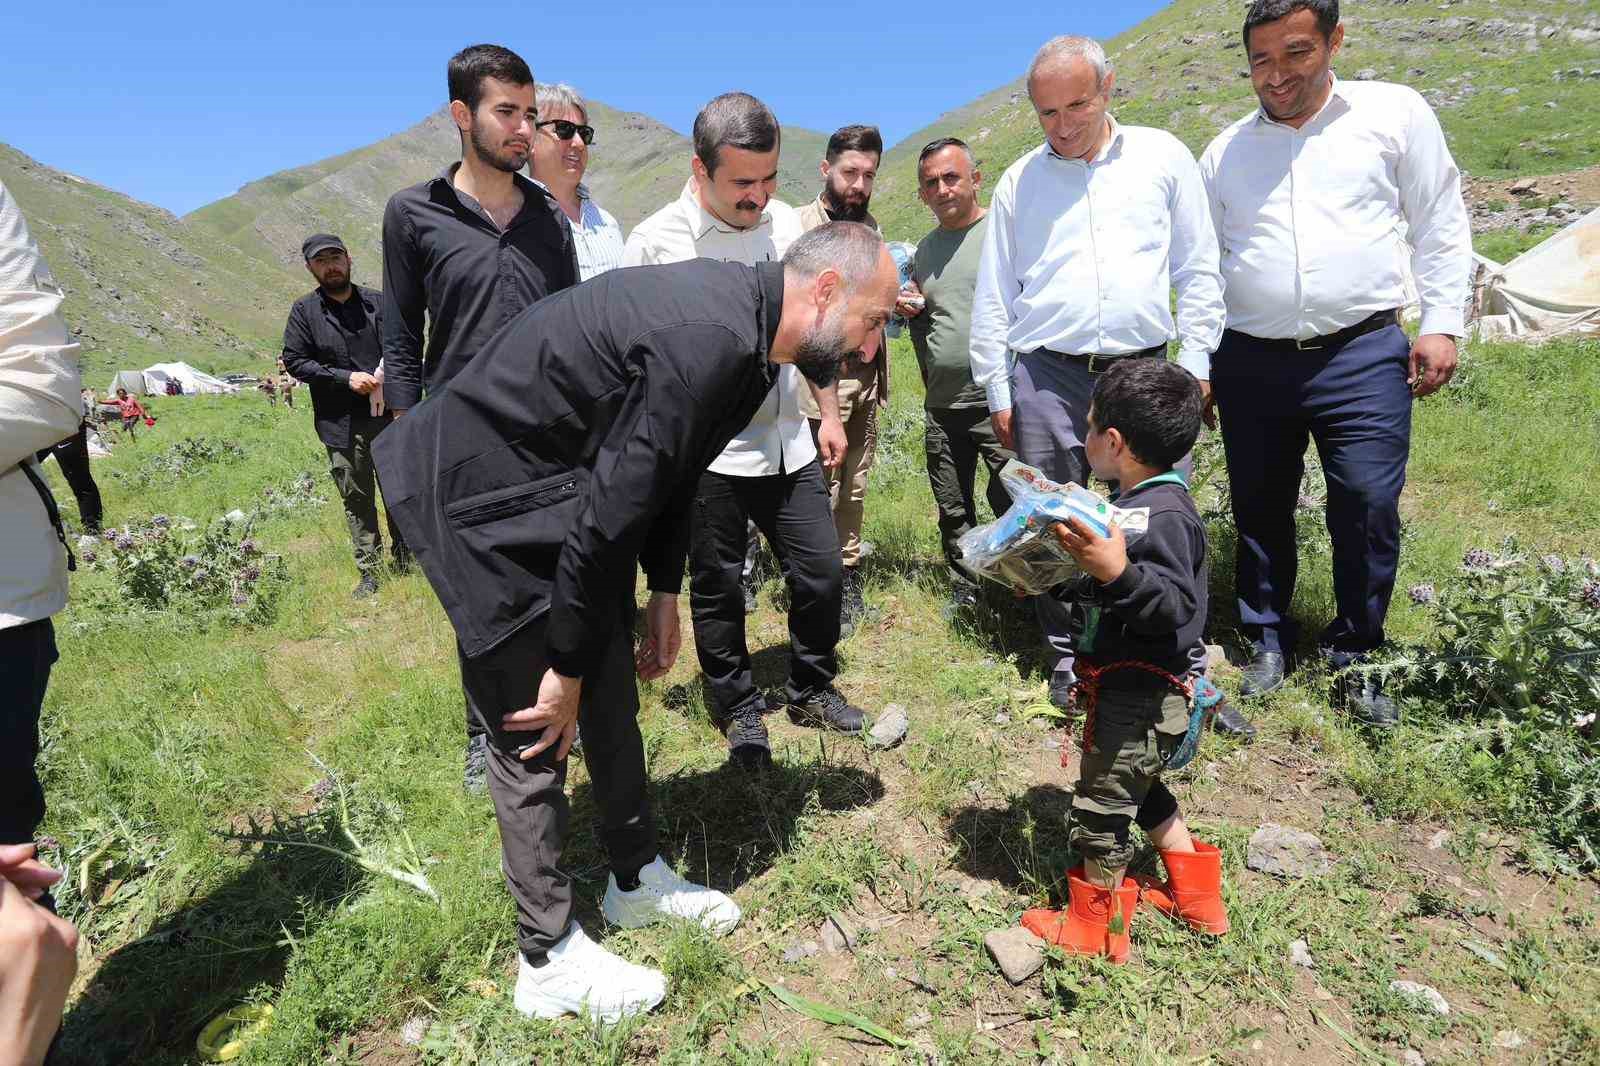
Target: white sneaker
x,y
584,978
663,895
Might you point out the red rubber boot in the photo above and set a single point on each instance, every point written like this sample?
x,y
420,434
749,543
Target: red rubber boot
x,y
1193,890
1096,921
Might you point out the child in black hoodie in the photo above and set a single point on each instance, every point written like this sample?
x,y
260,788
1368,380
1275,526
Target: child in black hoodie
x,y
1142,608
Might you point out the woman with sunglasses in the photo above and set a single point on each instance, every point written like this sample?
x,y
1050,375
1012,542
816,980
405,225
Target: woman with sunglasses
x,y
560,156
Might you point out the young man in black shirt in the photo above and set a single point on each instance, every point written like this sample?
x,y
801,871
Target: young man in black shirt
x,y
331,343
1140,609
467,251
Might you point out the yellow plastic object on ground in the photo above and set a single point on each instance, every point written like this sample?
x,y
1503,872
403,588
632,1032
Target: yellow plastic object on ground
x,y
224,1037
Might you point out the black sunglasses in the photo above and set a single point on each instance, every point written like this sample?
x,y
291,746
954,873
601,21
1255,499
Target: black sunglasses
x,y
565,129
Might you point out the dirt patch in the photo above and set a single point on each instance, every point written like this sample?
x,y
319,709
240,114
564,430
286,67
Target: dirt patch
x,y
1581,188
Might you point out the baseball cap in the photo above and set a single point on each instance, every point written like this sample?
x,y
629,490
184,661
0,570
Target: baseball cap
x,y
320,242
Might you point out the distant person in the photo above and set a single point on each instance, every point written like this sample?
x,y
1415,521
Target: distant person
x,y
937,305
560,157
38,958
286,385
849,168
1320,197
465,252
269,388
1089,236
572,447
40,404
1149,602
131,411
72,457
769,472
332,343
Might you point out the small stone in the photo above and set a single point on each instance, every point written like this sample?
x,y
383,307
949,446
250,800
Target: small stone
x,y
839,934
1300,955
412,1032
890,728
1017,952
802,950
1412,1057
1486,953
1001,718
1524,186
1285,852
1367,74
234,517
1510,1039
1216,658
1439,840
1424,997
918,1020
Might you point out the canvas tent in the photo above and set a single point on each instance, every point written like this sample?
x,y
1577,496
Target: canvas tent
x,y
1550,289
132,380
193,381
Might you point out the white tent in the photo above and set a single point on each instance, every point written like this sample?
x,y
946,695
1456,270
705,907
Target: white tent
x,y
193,381
1550,289
131,380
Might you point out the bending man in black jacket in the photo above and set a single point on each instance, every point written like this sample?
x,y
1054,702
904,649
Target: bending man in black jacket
x,y
566,451
331,343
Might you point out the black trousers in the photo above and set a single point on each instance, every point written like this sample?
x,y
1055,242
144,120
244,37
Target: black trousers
x,y
530,801
1355,404
792,512
26,654
954,439
72,456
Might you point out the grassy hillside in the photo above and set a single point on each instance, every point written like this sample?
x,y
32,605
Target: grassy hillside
x,y
171,732
1511,80
142,286
636,165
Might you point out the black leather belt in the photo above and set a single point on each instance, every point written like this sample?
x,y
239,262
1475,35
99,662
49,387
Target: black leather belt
x,y
1099,364
1328,341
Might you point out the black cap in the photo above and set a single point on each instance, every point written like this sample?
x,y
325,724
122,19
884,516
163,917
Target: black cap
x,y
319,242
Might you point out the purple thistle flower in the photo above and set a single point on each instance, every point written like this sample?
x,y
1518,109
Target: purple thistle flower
x,y
110,535
248,546
1554,563
189,562
1477,559
201,574
1423,594
251,573
160,521
89,556
1591,594
124,542
240,599
1305,503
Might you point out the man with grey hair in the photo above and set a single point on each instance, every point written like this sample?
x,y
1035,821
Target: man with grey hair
x,y
565,455
561,140
769,473
1088,235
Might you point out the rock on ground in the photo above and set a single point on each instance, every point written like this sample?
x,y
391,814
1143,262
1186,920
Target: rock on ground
x,y
1017,952
802,950
412,1032
1285,852
1510,1039
839,934
1420,995
1300,955
890,728
1412,1057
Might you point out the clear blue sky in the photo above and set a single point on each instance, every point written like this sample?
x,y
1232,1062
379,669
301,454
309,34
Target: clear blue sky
x,y
179,103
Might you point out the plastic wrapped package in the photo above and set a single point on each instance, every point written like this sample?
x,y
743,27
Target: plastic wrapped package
x,y
904,254
1017,549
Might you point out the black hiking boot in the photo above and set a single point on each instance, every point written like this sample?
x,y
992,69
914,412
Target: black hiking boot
x,y
748,745
367,587
826,709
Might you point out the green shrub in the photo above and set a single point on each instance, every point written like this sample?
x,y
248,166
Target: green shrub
x,y
219,572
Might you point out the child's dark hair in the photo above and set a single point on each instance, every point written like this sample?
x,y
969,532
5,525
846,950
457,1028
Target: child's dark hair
x,y
1154,404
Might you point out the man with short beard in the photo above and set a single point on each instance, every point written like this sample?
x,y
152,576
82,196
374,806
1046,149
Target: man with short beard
x,y
331,343
466,251
1320,198
769,473
567,455
849,168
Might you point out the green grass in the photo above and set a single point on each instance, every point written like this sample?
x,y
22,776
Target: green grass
x,y
162,735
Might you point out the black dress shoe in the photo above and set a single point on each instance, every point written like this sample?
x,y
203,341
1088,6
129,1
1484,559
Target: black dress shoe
x,y
367,587
1360,695
826,709
1262,674
748,745
1227,720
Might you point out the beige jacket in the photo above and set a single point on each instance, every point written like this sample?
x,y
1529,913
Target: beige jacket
x,y
39,406
873,377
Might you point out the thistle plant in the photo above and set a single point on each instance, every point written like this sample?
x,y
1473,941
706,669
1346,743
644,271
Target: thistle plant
x,y
166,565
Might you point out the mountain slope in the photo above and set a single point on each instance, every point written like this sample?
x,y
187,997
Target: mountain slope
x,y
141,286
636,165
1516,84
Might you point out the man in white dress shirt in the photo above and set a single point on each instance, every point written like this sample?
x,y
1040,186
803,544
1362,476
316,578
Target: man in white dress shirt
x,y
1320,198
768,474
1088,234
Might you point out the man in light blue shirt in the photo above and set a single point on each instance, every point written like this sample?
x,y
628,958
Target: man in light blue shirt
x,y
560,156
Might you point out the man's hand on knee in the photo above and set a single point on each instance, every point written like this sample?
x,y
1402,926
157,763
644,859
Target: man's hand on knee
x,y
554,714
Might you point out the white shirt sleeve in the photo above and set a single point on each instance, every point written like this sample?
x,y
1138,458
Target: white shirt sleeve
x,y
39,384
991,302
1195,272
1436,217
638,251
